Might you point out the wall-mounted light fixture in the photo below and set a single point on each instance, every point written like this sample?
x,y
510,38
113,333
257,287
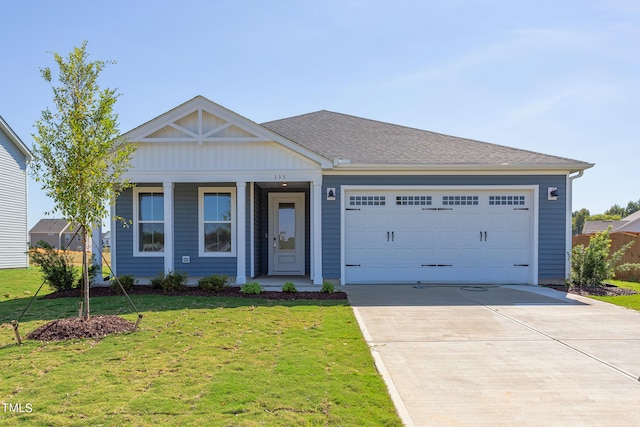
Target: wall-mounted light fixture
x,y
552,193
331,193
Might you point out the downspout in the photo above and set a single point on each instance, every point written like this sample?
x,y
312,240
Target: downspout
x,y
569,241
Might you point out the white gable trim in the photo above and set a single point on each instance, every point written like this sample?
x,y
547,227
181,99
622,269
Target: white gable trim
x,y
245,129
13,137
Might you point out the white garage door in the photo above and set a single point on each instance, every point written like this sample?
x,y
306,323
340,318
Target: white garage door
x,y
458,236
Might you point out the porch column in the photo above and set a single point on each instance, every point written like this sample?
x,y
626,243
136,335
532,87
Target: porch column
x,y
168,226
316,232
96,250
241,230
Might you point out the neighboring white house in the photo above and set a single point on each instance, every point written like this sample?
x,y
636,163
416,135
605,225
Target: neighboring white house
x,y
14,156
106,239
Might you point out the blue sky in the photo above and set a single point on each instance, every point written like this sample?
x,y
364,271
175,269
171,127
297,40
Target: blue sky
x,y
558,77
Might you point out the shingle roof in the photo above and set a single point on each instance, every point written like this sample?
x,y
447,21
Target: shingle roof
x,y
364,141
49,225
591,227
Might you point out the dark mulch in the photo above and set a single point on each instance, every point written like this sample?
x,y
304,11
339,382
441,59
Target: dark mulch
x,y
231,291
606,290
76,327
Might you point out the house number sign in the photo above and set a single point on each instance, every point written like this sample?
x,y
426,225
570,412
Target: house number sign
x,y
280,176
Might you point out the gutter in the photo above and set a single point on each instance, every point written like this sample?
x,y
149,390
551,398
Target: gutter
x,y
569,238
508,167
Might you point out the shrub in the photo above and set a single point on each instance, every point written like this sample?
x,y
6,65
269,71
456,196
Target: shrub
x,y
169,282
289,287
251,288
127,283
327,287
215,283
593,265
56,266
93,272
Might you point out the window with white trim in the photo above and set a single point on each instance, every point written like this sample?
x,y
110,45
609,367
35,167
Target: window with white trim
x,y
148,214
217,221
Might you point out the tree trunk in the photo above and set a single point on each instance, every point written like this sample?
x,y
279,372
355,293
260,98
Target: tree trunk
x,y
85,276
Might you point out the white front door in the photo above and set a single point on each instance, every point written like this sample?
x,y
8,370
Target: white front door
x,y
286,233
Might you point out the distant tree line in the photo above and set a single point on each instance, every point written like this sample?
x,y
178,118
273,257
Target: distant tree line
x,y
614,213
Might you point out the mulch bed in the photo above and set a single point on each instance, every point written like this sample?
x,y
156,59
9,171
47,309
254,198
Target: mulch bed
x,y
76,327
231,291
606,290
98,327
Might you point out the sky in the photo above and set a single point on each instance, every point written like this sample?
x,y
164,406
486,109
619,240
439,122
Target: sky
x,y
557,77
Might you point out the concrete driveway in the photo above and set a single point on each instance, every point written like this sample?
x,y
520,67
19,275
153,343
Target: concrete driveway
x,y
502,356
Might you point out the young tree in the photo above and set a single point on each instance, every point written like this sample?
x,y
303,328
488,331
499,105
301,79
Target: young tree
x,y
79,157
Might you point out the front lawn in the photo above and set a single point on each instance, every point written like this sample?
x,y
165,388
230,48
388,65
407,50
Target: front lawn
x,y
194,361
629,301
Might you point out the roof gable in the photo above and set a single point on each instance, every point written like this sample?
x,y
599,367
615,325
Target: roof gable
x,y
351,140
51,225
202,121
4,127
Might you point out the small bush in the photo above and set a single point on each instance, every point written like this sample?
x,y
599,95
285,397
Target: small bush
x,y
215,283
169,282
56,266
593,265
251,288
289,287
93,272
127,283
327,287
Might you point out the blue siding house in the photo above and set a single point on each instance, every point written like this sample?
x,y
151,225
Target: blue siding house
x,y
14,156
329,196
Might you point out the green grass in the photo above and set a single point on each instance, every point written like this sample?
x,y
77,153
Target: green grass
x,y
194,361
628,301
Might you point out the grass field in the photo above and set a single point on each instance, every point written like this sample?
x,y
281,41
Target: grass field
x,y
194,361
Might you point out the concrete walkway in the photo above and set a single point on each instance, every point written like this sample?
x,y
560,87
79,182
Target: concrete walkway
x,y
502,356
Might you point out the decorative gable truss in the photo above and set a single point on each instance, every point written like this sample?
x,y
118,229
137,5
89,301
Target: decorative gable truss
x,y
201,136
200,126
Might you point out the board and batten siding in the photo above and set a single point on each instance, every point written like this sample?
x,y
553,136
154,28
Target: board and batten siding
x,y
13,206
229,157
551,214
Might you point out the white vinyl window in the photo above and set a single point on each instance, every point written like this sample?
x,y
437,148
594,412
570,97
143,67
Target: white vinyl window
x,y
217,221
148,219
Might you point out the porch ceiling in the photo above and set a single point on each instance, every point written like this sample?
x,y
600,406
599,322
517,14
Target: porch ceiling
x,y
280,186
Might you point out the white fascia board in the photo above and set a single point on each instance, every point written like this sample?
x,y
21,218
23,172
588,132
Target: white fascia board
x,y
439,172
561,169
4,126
223,176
